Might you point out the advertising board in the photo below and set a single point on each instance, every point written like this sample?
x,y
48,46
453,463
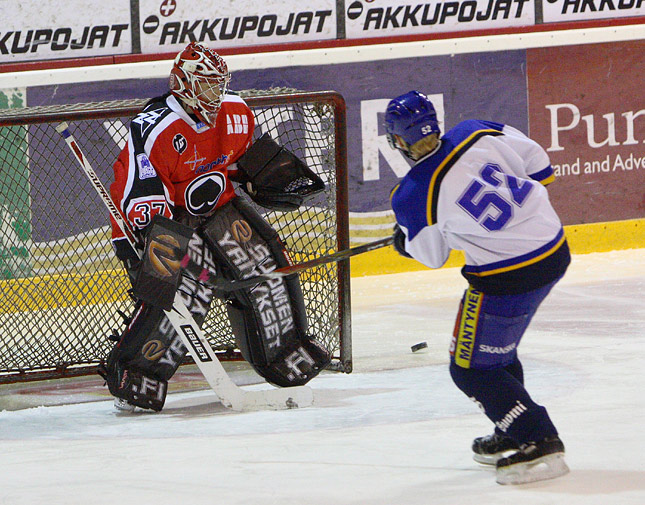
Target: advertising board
x,y
384,18
35,30
583,10
587,109
168,25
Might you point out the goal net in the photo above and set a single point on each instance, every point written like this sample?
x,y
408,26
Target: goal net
x,y
64,291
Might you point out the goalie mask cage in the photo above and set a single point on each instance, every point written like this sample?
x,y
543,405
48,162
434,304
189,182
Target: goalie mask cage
x,y
63,290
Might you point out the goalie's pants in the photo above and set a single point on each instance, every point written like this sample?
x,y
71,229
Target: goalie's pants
x,y
484,363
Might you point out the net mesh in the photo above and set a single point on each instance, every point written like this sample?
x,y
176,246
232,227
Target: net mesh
x,y
64,291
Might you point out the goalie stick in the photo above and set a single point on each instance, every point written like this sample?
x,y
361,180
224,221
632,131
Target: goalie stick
x,y
204,275
229,393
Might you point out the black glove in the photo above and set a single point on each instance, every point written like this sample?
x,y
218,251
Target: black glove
x,y
399,241
130,258
274,177
267,198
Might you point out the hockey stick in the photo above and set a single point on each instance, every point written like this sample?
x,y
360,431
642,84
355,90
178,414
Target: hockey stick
x,y
204,275
229,393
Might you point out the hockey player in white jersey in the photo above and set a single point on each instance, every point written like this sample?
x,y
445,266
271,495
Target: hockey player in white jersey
x,y
480,188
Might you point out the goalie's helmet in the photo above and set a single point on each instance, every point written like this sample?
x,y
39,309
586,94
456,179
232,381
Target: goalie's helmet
x,y
412,117
199,78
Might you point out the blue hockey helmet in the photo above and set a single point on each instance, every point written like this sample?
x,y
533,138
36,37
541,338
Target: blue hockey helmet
x,y
412,117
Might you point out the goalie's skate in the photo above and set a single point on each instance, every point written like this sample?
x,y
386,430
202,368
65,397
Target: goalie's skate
x,y
491,448
122,405
533,462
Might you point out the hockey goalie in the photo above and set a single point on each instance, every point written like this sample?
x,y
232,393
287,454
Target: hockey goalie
x,y
173,182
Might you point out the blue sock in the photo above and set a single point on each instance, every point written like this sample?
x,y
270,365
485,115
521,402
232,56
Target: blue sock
x,y
505,401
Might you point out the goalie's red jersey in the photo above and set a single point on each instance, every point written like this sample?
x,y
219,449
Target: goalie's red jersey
x,y
171,161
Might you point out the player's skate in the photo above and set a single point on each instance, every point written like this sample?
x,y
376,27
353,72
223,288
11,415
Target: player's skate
x,y
489,449
533,461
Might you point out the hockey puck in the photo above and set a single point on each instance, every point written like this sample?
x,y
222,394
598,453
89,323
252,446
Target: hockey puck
x,y
419,346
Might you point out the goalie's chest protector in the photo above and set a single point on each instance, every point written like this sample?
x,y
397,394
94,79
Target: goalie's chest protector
x,y
192,159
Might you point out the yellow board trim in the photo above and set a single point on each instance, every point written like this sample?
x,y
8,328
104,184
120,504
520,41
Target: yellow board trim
x,y
36,293
582,238
54,291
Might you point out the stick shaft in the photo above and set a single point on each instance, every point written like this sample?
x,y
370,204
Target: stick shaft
x,y
63,129
204,275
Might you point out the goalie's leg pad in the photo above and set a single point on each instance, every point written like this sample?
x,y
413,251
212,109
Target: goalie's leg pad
x,y
269,321
150,343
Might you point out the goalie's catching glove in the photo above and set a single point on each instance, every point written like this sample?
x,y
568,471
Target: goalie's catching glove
x,y
276,178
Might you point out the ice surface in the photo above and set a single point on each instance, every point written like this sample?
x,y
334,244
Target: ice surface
x,y
396,431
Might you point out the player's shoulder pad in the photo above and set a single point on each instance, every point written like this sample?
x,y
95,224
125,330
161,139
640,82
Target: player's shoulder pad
x,y
157,100
472,129
233,98
491,125
155,111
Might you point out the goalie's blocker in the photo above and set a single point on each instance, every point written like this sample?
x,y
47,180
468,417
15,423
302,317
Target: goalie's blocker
x,y
276,178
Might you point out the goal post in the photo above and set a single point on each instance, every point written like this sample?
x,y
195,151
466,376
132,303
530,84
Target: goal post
x,y
63,290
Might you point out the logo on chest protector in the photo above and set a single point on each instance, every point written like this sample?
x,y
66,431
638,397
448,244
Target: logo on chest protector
x,y
203,193
179,143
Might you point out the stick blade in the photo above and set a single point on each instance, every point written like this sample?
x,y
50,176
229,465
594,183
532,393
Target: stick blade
x,y
272,399
229,393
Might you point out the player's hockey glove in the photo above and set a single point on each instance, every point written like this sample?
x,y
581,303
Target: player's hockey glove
x,y
130,258
399,241
276,178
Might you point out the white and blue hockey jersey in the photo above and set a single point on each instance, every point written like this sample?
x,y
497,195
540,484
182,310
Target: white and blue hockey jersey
x,y
483,191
